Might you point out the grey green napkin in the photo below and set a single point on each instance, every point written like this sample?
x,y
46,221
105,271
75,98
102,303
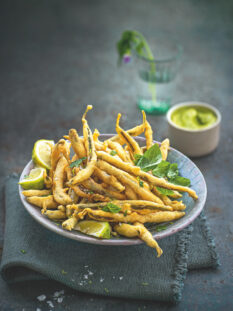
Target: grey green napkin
x,y
32,252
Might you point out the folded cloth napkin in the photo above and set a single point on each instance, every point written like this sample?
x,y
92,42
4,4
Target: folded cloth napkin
x,y
32,252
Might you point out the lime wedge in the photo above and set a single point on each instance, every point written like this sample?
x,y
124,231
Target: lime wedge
x,y
98,229
35,180
41,153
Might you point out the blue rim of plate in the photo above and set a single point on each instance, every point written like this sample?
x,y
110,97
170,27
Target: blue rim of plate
x,y
193,213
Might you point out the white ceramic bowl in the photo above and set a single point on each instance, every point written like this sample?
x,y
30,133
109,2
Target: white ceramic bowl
x,y
194,143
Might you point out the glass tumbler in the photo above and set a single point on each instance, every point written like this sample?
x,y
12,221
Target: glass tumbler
x,y
156,86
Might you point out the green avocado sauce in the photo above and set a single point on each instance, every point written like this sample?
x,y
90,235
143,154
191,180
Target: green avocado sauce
x,y
193,117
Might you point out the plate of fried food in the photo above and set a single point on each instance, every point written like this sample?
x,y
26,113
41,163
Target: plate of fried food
x,y
112,189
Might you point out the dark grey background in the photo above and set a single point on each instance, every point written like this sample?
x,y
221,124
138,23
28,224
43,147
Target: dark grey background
x,y
58,56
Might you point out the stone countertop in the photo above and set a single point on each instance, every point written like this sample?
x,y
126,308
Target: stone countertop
x,y
58,56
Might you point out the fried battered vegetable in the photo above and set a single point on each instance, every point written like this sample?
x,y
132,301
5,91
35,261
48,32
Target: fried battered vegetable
x,y
108,179
39,193
125,178
47,201
129,140
138,230
91,155
59,191
164,148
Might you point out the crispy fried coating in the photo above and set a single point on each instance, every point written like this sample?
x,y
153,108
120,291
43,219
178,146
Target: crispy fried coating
x,y
91,154
156,217
138,230
59,192
135,131
108,179
39,193
47,201
125,178
164,148
95,187
77,144
129,140
70,223
136,204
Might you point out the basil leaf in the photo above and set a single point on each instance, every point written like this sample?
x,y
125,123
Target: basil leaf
x,y
150,159
161,169
111,208
165,191
172,171
113,153
182,181
137,157
77,162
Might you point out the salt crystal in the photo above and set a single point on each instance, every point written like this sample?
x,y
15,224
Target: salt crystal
x,y
114,277
59,299
41,297
101,280
85,266
50,304
37,309
121,278
86,276
90,273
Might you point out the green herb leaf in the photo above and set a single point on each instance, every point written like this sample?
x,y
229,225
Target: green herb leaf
x,y
137,157
145,283
182,181
63,272
151,158
113,152
77,162
140,182
161,169
162,227
173,171
125,213
106,290
111,208
23,251
90,282
165,191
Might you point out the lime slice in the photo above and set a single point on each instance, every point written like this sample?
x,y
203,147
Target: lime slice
x,y
99,229
41,153
35,180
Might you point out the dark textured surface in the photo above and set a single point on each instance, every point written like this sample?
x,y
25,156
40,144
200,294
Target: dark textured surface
x,y
58,56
